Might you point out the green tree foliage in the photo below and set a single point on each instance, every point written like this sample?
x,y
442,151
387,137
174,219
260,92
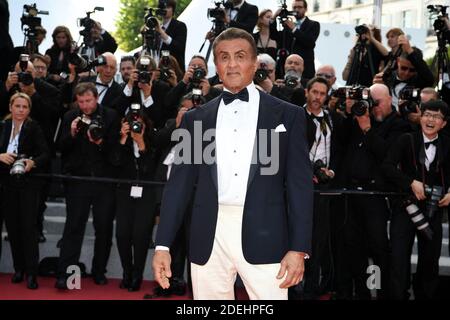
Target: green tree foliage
x,y
131,19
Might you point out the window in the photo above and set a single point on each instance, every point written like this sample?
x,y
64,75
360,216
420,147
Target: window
x,y
316,6
358,1
407,19
338,3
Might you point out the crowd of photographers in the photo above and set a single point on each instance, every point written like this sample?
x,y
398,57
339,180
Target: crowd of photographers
x,y
384,131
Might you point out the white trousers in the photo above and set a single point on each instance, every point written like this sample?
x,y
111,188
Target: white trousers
x,y
215,280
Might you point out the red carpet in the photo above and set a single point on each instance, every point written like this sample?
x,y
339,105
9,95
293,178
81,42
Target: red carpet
x,y
89,291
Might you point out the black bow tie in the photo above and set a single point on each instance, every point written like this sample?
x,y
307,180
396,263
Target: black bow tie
x,y
427,144
101,84
319,119
228,97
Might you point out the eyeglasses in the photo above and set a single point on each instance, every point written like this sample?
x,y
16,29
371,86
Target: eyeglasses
x,y
405,68
325,75
434,116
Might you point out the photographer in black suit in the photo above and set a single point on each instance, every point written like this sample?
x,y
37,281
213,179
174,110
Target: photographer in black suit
x,y
369,137
99,42
173,34
299,37
89,135
417,160
22,137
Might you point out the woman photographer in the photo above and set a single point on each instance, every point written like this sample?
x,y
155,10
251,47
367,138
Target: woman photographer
x,y
135,158
59,53
22,138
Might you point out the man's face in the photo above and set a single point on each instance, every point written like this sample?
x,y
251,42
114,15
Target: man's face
x,y
126,69
87,102
431,122
108,71
383,105
316,96
169,13
392,40
197,63
235,64
30,69
40,67
328,74
295,63
299,8
405,69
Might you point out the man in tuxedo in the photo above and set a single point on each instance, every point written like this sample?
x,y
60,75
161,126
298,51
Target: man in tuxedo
x,y
173,34
322,131
240,222
418,159
299,37
109,91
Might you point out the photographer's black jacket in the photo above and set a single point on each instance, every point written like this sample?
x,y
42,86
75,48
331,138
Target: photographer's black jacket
x,y
173,97
366,152
46,107
178,32
302,42
32,144
246,18
405,162
79,156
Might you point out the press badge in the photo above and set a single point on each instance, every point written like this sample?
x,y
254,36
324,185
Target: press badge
x,y
136,192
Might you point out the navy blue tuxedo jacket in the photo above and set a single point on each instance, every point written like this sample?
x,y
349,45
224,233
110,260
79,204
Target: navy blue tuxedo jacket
x,y
278,208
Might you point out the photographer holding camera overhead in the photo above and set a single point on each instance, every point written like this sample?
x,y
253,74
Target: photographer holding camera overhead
x,y
365,57
22,149
372,126
89,135
96,40
418,164
411,70
172,32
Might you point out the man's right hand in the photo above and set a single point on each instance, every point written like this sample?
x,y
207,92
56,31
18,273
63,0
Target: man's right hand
x,y
161,268
188,75
74,127
13,78
418,189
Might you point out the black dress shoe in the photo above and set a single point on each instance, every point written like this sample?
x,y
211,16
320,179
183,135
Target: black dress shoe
x,y
126,281
135,285
61,283
178,287
17,277
32,282
100,279
160,292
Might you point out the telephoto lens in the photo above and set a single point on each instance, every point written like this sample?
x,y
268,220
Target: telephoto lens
x,y
418,219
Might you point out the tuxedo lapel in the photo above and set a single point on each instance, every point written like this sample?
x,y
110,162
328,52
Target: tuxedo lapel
x,y
268,119
209,122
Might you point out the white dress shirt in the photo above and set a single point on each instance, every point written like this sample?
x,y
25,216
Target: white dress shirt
x,y
13,145
321,146
102,89
235,137
430,153
147,102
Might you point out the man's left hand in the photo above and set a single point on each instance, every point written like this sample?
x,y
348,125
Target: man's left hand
x,y
293,264
445,201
